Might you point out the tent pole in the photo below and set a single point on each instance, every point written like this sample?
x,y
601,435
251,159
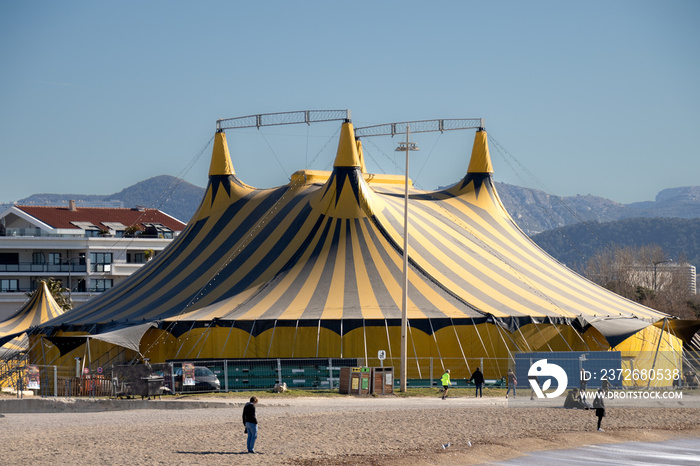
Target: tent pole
x,y
483,345
43,353
413,343
499,329
250,337
527,345
318,336
432,330
388,341
364,339
546,342
230,329
296,332
556,327
272,337
661,335
205,335
461,350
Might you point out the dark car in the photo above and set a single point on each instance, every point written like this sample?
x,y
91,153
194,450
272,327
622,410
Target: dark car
x,y
204,381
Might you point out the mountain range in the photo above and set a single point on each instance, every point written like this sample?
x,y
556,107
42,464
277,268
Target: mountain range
x,y
536,211
545,217
172,195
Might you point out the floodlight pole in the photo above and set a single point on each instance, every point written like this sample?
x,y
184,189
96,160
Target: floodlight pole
x,y
654,264
408,146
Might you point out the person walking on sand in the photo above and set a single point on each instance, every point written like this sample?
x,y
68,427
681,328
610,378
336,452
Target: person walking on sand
x,y
599,405
512,382
445,380
478,379
251,423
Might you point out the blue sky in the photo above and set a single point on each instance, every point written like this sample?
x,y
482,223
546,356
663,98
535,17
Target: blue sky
x,y
596,97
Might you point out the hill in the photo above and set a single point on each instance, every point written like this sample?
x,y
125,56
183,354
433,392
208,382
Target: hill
x,y
575,244
533,210
536,211
570,228
172,195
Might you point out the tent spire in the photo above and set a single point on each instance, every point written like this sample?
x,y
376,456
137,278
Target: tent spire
x,y
346,194
222,179
220,157
481,160
347,155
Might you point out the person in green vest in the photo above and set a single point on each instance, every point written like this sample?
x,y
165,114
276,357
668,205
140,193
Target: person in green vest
x,y
445,383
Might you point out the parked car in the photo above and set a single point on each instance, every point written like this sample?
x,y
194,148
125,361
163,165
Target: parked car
x,y
204,381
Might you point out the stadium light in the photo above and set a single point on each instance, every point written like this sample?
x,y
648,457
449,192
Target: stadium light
x,y
406,146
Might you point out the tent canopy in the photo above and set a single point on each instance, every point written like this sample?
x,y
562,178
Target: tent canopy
x,y
326,251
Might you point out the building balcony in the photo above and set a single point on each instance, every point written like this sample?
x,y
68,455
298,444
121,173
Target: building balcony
x,y
28,267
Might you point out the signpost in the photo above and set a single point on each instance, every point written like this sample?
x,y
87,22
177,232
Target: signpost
x,y
382,356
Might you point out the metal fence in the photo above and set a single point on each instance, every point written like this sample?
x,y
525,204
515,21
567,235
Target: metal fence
x,y
225,375
57,381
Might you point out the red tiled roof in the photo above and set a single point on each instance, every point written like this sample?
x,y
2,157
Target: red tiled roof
x,y
60,217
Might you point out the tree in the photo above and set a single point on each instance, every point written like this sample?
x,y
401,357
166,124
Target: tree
x,y
637,274
57,291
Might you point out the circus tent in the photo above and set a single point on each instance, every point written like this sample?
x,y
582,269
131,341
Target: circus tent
x,y
40,308
314,269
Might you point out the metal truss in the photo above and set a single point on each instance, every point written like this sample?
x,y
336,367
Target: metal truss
x,y
284,118
419,126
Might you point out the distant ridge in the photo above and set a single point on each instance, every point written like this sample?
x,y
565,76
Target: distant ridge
x,y
533,210
537,211
573,245
172,195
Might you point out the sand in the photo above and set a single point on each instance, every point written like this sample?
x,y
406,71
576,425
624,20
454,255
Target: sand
x,y
316,431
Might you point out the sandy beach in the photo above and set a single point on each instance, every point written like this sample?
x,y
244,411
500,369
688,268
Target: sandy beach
x,y
314,431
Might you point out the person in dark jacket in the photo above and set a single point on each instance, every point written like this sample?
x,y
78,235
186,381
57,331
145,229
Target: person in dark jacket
x,y
251,423
599,406
478,379
573,400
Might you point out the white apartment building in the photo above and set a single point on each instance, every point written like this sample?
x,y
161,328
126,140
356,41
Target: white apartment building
x,y
88,249
661,275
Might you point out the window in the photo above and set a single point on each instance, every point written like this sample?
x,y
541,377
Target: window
x,y
101,284
100,261
115,228
9,258
157,230
55,258
89,229
38,258
9,285
135,258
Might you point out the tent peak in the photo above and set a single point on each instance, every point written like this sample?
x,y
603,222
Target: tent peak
x,y
480,161
220,157
347,155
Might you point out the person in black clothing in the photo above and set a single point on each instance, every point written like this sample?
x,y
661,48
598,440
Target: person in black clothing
x,y
251,423
599,406
478,379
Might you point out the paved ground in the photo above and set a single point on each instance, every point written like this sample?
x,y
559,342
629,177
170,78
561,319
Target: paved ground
x,y
677,452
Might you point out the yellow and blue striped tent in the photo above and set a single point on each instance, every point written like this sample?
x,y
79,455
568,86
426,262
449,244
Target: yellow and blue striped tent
x,y
314,269
40,308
